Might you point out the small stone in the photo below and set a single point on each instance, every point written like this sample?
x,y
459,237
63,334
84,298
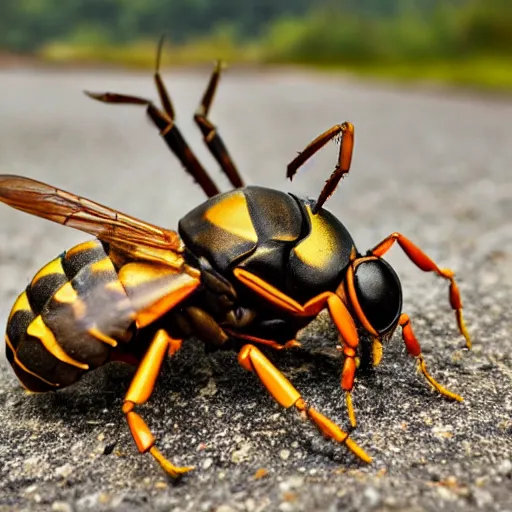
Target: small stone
x,y
242,453
446,494
481,481
250,505
284,454
390,501
64,471
61,506
482,498
104,498
31,462
210,389
294,482
224,508
207,463
260,473
372,496
505,467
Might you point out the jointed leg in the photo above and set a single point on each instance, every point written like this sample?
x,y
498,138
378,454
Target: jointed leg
x,y
414,349
139,392
338,311
261,341
211,137
164,121
423,262
171,135
252,359
165,99
346,130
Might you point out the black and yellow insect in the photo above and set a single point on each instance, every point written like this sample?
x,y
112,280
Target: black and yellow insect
x,y
247,268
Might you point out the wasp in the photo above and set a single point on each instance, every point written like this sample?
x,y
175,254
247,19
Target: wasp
x,y
245,271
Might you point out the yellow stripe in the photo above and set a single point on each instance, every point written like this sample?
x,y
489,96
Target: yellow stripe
x,y
317,248
86,246
133,275
38,329
23,367
104,265
21,304
116,287
54,267
66,294
96,333
79,309
232,215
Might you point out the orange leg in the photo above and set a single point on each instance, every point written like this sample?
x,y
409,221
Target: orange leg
x,y
269,343
338,311
283,392
346,131
423,262
414,349
139,392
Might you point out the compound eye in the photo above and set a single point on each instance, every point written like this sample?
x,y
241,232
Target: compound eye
x,y
379,294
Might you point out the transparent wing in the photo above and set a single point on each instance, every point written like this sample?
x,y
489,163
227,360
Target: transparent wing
x,y
140,293
77,212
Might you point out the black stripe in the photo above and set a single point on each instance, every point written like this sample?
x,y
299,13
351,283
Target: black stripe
x,y
31,382
72,336
17,326
73,263
37,359
43,290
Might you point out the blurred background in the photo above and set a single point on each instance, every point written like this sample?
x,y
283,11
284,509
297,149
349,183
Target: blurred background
x,y
430,162
458,41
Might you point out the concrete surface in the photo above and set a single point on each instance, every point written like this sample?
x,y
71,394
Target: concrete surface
x,y
435,166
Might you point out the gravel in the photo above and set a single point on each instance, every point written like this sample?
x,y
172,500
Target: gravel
x,y
432,164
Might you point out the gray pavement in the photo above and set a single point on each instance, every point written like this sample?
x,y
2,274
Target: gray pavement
x,y
434,165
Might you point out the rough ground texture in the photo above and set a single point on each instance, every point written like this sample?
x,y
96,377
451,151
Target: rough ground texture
x,y
433,165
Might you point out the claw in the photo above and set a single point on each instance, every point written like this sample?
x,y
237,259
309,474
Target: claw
x,y
168,467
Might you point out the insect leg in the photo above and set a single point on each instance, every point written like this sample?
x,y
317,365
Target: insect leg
x,y
211,136
139,392
414,349
423,262
171,135
268,343
338,311
283,392
164,121
346,130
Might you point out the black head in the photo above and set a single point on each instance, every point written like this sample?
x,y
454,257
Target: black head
x,y
375,293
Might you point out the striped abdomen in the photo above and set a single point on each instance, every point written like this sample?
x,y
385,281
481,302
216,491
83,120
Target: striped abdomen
x,y
50,338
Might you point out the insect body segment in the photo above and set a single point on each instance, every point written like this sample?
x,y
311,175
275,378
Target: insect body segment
x,y
246,271
47,341
271,234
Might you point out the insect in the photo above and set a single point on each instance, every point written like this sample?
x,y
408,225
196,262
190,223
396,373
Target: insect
x,y
246,270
